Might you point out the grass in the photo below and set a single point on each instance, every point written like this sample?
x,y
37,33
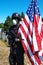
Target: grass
x,y
3,43
4,54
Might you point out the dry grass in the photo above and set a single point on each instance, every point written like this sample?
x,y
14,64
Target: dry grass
x,y
3,43
4,55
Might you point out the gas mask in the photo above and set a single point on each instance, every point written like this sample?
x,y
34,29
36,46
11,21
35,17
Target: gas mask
x,y
14,22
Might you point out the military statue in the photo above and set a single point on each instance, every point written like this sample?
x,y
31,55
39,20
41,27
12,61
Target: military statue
x,y
14,40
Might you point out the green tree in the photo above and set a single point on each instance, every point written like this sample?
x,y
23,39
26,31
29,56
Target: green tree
x,y
8,23
22,15
1,25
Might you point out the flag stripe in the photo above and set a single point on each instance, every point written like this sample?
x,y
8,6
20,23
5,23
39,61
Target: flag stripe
x,y
31,33
37,37
25,48
37,58
25,33
39,44
28,50
27,39
28,26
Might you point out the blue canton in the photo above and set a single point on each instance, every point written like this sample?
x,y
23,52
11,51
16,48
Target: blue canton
x,y
33,9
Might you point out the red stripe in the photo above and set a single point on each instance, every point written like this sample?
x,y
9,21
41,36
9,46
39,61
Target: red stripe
x,y
42,54
38,39
21,27
28,26
27,52
37,58
32,46
30,32
26,36
41,34
23,44
25,48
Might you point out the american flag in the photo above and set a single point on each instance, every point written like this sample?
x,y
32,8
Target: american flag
x,y
31,33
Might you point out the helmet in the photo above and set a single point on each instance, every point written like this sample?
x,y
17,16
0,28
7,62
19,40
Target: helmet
x,y
16,16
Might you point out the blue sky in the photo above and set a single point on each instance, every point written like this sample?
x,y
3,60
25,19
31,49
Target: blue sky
x,y
7,7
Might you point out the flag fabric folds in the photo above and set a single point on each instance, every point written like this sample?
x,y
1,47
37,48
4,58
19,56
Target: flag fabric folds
x,y
31,33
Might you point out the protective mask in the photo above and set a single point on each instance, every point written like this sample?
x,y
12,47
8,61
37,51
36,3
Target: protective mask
x,y
14,22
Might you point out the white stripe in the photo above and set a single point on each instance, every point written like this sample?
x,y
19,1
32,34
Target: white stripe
x,y
28,48
40,55
29,22
27,19
31,27
39,26
24,26
42,43
29,37
34,41
27,31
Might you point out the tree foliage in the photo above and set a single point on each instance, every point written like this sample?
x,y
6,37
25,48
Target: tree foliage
x,y
1,25
22,14
8,23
